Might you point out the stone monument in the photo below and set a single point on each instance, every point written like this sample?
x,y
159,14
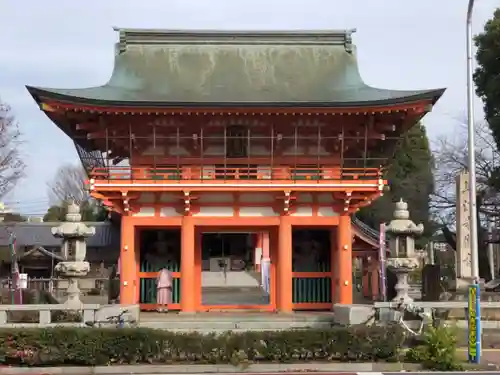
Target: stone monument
x,y
74,248
402,259
463,253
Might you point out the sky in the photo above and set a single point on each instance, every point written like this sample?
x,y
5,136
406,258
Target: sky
x,y
401,44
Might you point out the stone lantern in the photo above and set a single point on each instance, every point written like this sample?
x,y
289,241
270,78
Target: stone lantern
x,y
74,249
403,259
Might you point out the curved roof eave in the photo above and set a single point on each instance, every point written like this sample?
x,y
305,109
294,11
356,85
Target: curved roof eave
x,y
103,97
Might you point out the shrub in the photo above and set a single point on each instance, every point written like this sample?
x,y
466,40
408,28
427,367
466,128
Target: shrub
x,y
85,346
437,350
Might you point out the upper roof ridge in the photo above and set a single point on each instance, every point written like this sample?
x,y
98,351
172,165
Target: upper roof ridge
x,y
164,37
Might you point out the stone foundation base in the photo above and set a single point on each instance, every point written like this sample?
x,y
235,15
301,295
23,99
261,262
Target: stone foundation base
x,y
352,314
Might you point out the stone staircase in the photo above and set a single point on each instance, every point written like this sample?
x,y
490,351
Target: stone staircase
x,y
228,295
235,321
231,278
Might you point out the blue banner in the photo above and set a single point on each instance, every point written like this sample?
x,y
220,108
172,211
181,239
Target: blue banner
x,y
474,323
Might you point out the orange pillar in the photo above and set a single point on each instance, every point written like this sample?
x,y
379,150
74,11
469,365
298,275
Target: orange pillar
x,y
284,285
344,248
137,235
334,264
198,266
188,279
272,246
128,266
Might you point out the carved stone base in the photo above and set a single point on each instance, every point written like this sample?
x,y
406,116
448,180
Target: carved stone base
x,y
402,287
73,292
73,271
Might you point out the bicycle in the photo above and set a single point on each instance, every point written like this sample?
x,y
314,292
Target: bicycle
x,y
424,316
117,320
401,308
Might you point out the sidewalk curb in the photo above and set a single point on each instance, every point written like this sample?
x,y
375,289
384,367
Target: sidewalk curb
x,y
200,369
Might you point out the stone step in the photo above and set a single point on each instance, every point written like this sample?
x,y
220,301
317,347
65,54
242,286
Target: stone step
x,y
231,317
230,326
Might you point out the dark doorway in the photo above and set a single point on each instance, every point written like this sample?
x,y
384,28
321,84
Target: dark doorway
x,y
311,250
159,249
228,270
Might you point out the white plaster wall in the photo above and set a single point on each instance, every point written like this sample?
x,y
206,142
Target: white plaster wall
x,y
304,198
215,212
258,150
327,211
145,212
216,198
299,151
256,198
177,151
169,212
313,150
302,211
257,212
325,198
214,151
154,151
169,198
146,198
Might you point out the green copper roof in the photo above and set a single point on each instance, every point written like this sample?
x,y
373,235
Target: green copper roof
x,y
168,68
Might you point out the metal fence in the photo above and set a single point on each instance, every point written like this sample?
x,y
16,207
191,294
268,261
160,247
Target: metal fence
x,y
55,284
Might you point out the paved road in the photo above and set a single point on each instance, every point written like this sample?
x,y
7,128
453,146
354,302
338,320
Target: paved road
x,y
31,371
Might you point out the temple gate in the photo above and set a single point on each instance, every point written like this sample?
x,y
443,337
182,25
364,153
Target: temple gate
x,y
263,133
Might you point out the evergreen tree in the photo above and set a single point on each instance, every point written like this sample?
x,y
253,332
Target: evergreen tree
x,y
487,75
409,175
90,211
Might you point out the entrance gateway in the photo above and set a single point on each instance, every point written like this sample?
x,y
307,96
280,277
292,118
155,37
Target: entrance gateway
x,y
268,133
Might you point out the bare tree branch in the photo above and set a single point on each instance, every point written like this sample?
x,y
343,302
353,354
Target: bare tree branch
x,y
11,164
450,155
68,184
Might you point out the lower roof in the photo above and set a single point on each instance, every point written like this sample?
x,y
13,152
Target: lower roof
x,y
161,68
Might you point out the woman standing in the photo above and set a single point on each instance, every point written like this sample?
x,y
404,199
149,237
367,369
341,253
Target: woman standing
x,y
163,290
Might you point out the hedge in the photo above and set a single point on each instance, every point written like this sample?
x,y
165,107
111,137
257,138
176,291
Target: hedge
x,y
106,346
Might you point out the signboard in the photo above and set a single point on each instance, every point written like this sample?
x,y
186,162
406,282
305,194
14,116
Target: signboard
x,y
381,254
474,324
463,258
23,280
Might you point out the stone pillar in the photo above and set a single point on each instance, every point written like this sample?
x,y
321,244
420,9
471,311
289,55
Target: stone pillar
x,y
284,285
188,277
344,249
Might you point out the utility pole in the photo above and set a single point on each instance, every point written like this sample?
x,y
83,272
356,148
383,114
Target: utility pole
x,y
474,307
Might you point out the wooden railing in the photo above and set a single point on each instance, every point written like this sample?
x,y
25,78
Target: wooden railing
x,y
211,173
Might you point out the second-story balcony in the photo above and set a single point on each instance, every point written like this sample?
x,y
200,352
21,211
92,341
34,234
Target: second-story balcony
x,y
236,176
231,174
